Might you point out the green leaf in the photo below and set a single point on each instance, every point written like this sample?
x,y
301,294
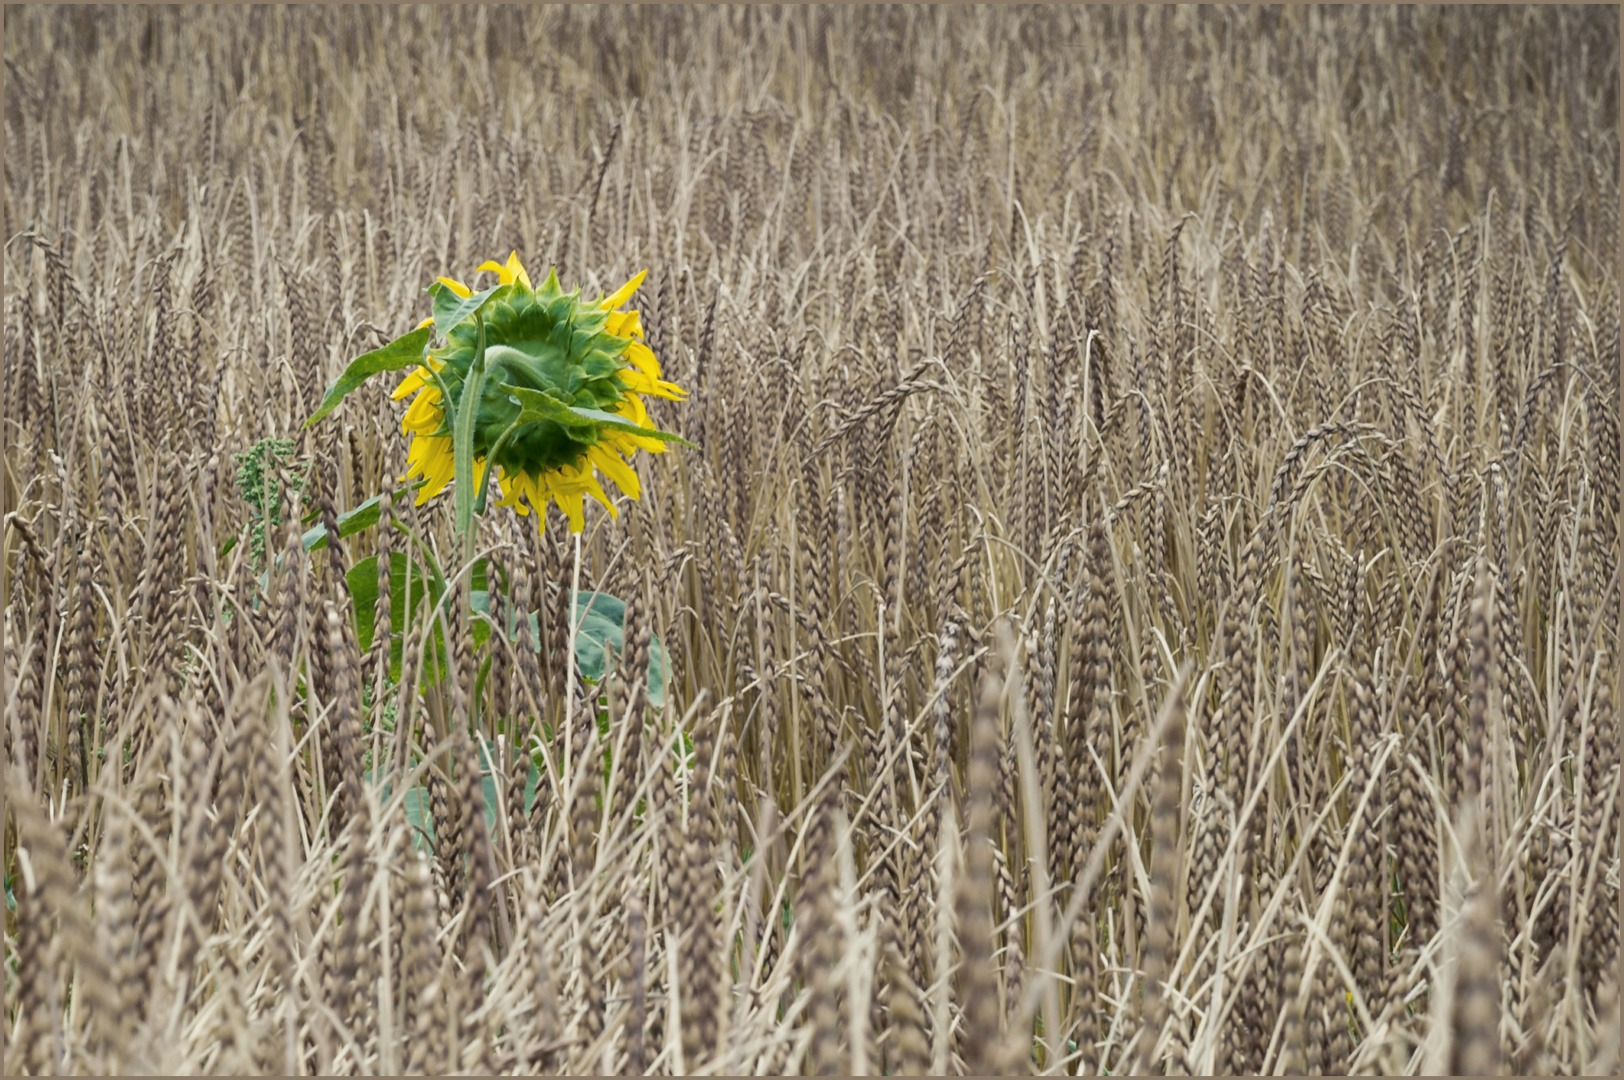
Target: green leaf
x,y
450,309
531,785
355,520
418,817
540,405
487,785
620,423
507,355
600,621
600,618
362,579
403,352
479,600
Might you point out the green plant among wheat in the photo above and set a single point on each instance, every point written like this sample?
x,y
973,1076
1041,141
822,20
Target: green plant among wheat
x,y
548,389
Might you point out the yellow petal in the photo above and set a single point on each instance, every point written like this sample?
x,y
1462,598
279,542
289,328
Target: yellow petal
x,y
535,494
576,478
635,381
571,505
516,268
642,357
437,483
624,293
631,407
630,444
625,324
414,381
639,383
442,463
568,480
510,492
426,322
507,275
609,463
430,458
455,286
420,450
425,414
596,491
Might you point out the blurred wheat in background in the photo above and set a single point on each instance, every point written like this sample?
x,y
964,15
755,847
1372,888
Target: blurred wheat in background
x,y
1145,596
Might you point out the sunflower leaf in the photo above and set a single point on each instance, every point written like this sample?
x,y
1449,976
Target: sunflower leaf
x,y
419,817
404,351
354,520
362,582
349,523
540,405
450,309
620,423
600,637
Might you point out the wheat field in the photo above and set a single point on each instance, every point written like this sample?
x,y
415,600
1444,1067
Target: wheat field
x,y
1143,595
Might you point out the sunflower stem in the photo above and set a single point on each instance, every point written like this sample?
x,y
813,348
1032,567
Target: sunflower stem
x,y
569,664
490,463
462,447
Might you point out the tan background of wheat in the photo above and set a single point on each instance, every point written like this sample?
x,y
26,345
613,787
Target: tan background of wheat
x,y
1142,599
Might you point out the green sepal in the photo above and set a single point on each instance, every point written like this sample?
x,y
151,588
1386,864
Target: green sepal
x,y
404,351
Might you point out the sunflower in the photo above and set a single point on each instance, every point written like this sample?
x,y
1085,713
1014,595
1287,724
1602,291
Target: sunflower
x,y
560,399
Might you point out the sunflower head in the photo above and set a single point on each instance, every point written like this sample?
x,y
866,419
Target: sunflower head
x,y
546,386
